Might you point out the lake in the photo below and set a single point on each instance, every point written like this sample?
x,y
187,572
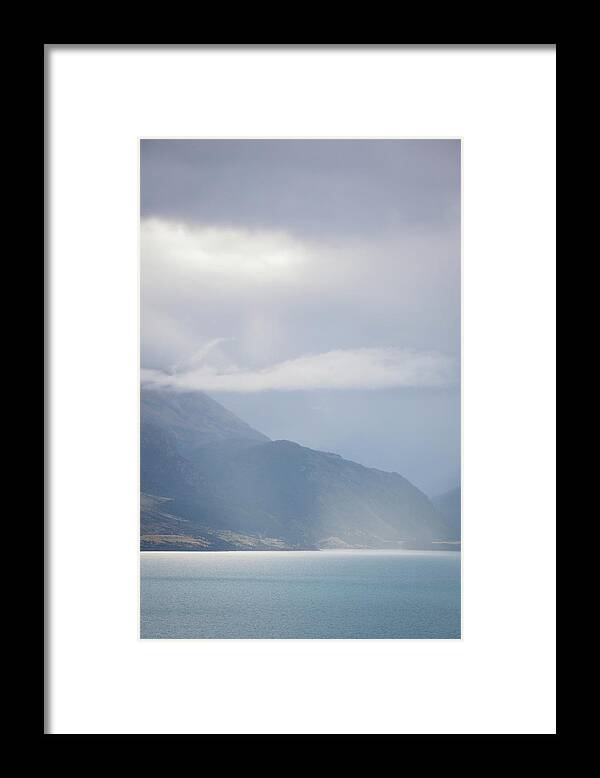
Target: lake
x,y
300,594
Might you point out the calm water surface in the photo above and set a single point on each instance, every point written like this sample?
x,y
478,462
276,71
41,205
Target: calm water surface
x,y
300,594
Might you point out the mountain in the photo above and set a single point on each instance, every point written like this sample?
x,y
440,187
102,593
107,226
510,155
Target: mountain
x,y
193,419
209,481
448,504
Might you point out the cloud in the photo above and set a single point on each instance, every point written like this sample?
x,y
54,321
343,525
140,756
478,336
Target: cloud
x,y
223,253
358,368
280,294
318,187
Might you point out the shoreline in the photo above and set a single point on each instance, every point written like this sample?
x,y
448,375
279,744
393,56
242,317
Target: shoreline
x,y
330,551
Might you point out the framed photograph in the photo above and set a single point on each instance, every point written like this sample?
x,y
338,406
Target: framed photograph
x,y
300,388
302,420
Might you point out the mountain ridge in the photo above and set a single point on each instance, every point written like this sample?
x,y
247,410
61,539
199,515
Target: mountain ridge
x,y
229,486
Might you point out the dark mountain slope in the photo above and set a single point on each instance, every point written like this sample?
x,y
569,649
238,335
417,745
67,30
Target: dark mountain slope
x,y
193,419
317,497
220,474
165,531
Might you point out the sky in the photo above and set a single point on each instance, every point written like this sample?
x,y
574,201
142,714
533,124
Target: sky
x,y
313,288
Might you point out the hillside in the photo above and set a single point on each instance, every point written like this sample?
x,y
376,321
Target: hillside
x,y
448,504
210,481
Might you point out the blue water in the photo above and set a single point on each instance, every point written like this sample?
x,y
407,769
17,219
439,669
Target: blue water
x,y
300,594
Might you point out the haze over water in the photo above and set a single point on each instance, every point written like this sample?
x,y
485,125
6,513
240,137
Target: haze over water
x,y
300,594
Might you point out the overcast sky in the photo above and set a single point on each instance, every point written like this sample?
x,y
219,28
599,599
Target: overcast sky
x,y
312,287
